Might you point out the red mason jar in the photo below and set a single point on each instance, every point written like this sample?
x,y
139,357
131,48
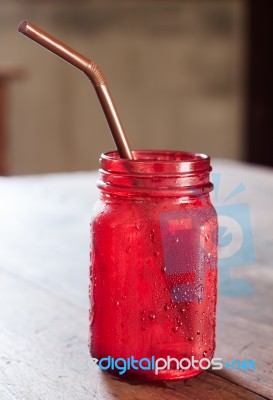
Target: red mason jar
x,y
154,266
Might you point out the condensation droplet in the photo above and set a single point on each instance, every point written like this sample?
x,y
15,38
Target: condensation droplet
x,y
152,317
152,235
174,303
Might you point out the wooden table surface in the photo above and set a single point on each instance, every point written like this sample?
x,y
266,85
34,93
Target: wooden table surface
x,y
44,262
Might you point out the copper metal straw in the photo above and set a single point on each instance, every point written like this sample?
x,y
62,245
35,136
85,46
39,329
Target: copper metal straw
x,y
94,74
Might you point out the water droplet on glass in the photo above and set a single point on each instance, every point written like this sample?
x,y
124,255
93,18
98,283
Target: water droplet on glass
x,y
152,235
175,329
156,253
205,353
190,339
173,304
152,317
198,333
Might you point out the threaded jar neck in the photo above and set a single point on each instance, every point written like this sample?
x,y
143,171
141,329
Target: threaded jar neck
x,y
155,173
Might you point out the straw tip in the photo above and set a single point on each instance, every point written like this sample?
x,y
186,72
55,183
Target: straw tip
x,y
22,26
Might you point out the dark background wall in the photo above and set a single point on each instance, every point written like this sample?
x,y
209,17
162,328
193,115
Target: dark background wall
x,y
260,83
188,75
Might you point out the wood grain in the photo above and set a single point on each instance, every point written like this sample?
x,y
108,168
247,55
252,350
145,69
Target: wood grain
x,y
44,257
245,324
44,354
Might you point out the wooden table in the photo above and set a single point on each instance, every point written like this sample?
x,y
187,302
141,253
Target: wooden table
x,y
44,258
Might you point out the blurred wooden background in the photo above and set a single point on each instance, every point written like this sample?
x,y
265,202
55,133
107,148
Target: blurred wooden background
x,y
176,70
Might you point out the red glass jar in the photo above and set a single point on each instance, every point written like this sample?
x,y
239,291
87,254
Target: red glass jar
x,y
153,265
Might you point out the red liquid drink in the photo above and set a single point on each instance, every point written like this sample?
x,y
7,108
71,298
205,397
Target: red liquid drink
x,y
154,263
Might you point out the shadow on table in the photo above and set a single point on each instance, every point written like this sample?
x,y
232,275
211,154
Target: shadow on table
x,y
123,389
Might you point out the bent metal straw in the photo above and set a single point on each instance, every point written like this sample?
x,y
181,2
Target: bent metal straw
x,y
94,74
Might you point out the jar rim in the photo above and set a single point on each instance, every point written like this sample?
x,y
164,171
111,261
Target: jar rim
x,y
156,162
